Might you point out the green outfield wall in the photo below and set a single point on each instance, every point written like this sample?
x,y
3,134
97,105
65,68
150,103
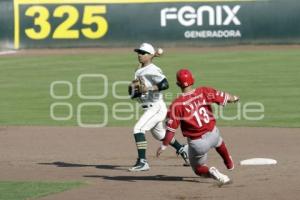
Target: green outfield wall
x,y
6,24
80,23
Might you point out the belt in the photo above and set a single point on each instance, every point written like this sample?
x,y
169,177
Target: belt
x,y
147,106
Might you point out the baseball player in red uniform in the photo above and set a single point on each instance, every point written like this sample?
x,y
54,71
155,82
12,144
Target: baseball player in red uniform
x,y
192,111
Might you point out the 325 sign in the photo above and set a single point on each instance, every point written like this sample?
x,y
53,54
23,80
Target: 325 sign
x,y
49,22
69,15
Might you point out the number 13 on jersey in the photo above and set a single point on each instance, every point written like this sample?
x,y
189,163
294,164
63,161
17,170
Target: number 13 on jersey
x,y
201,114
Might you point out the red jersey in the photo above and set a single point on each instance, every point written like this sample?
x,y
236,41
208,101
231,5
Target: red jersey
x,y
193,112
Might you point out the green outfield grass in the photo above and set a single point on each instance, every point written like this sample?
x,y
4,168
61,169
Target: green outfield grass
x,y
31,190
268,77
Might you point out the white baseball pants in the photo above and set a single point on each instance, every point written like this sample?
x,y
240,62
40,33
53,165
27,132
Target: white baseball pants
x,y
153,120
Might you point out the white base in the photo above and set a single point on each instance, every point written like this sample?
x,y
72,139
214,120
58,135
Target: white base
x,y
258,161
7,52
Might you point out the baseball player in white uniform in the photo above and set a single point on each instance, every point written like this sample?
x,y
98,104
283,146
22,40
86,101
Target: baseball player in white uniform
x,y
155,110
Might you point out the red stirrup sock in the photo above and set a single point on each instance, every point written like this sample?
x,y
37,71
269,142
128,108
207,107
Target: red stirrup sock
x,y
202,170
222,150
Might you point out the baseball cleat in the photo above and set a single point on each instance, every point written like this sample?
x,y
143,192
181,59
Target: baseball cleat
x,y
221,178
230,164
140,165
183,152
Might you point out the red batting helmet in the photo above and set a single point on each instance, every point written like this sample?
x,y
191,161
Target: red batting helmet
x,y
185,78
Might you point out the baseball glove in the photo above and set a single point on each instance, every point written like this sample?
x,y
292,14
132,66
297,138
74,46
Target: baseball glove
x,y
136,88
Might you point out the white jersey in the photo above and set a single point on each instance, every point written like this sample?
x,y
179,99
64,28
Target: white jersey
x,y
151,75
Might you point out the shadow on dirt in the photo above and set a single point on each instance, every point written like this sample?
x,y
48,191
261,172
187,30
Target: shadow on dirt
x,y
64,164
149,178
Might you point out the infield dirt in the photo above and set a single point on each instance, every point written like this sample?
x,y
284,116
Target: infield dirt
x,y
100,157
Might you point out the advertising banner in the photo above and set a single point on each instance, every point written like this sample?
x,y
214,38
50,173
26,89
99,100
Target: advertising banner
x,y
79,23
